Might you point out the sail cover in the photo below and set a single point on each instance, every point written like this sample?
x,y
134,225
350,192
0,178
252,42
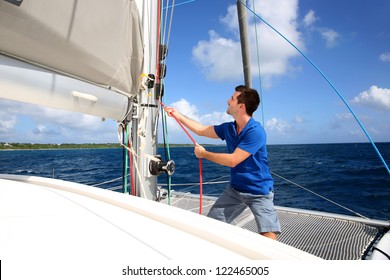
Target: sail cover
x,y
98,41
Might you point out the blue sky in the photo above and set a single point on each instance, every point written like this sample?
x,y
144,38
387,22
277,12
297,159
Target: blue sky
x,y
348,41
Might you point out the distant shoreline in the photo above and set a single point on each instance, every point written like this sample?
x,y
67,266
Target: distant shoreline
x,y
29,146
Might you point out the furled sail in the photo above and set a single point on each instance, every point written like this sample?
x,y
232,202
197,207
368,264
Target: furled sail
x,y
97,42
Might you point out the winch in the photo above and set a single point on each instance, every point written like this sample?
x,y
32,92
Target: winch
x,y
158,167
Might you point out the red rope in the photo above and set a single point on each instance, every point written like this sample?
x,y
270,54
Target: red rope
x,y
200,186
200,163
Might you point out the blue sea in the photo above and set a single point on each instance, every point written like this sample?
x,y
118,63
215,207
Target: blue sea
x,y
338,178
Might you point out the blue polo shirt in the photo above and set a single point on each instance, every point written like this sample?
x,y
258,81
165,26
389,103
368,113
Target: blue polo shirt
x,y
253,174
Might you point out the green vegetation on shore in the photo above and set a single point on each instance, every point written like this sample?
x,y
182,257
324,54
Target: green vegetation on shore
x,y
31,146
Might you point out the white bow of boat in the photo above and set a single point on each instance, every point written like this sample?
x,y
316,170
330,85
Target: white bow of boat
x,y
50,217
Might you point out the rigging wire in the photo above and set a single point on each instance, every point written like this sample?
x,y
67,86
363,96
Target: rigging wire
x,y
125,155
259,68
166,150
166,32
190,186
166,36
323,197
329,82
178,4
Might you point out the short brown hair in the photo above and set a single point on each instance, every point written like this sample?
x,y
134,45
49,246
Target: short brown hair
x,y
249,97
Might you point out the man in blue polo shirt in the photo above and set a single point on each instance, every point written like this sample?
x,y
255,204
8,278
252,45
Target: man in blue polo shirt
x,y
251,183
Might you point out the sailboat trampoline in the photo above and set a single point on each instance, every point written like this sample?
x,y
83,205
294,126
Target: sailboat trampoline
x,y
325,235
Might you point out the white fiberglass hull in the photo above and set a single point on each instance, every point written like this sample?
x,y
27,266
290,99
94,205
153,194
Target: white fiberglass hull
x,y
43,217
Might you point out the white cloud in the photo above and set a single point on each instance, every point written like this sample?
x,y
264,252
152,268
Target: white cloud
x,y
220,58
385,57
278,125
40,129
344,117
375,97
230,20
216,57
46,125
339,120
67,119
215,118
177,134
310,18
186,108
7,121
190,111
330,37
298,119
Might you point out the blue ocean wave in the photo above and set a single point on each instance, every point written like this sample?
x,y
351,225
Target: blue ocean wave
x,y
348,174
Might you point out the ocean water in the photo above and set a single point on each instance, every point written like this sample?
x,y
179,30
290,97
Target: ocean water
x,y
338,178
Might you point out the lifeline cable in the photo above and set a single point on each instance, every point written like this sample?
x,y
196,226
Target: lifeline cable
x,y
200,162
164,38
329,82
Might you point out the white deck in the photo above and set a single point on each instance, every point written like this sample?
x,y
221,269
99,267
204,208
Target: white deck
x,y
51,229
45,217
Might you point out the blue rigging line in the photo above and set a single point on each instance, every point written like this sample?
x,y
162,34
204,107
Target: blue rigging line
x,y
329,82
178,4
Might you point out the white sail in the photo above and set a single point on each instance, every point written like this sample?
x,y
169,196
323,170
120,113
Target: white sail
x,y
90,57
97,41
24,82
82,56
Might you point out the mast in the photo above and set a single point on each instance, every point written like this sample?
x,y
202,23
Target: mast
x,y
143,142
242,21
147,164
